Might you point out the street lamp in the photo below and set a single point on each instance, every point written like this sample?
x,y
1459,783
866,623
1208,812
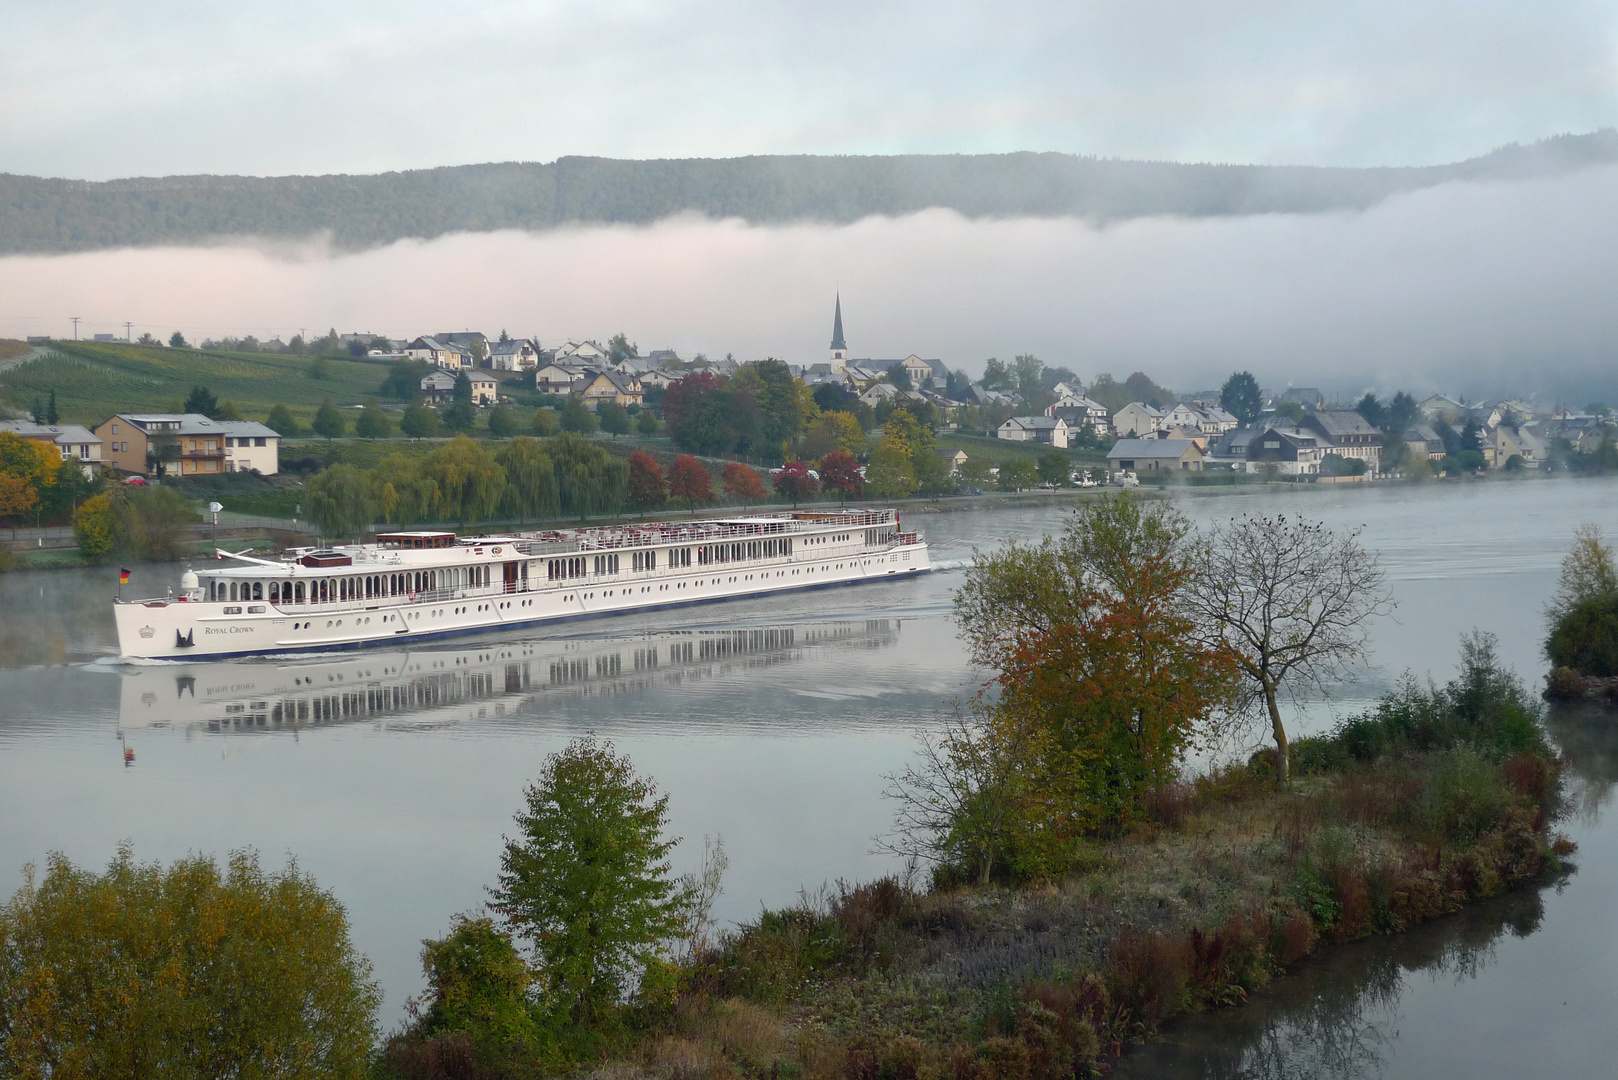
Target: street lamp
x,y
214,508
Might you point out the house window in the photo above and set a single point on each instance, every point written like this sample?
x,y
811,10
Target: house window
x,y
261,440
115,429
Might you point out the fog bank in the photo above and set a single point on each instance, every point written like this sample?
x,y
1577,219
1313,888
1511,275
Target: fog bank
x,y
1466,288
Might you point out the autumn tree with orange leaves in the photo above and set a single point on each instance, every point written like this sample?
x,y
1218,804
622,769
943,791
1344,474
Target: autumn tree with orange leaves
x,y
1102,684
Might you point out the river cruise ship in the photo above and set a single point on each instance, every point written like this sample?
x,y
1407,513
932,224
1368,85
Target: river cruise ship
x,y
416,586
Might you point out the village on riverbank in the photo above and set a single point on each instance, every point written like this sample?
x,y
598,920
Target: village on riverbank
x,y
342,434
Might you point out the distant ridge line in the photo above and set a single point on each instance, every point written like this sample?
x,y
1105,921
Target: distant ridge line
x,y
46,215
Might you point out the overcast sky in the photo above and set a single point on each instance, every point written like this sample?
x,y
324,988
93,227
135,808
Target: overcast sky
x,y
100,89
1480,289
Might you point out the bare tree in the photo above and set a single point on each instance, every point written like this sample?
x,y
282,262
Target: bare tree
x,y
1290,599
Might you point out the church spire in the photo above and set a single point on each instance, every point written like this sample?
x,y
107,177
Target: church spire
x,y
837,327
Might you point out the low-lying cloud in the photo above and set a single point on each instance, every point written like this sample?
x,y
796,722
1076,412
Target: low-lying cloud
x,y
1477,289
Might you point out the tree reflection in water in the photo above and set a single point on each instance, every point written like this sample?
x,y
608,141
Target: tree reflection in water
x,y
1338,1015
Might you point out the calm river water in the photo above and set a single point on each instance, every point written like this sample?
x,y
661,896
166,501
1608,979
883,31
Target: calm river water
x,y
772,723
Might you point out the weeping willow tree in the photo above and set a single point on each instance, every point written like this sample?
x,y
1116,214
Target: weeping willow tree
x,y
589,480
531,487
341,500
405,493
470,481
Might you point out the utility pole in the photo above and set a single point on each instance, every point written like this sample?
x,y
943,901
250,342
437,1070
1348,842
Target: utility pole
x,y
75,319
128,332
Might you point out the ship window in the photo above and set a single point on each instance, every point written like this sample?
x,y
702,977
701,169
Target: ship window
x,y
299,588
286,592
275,591
258,590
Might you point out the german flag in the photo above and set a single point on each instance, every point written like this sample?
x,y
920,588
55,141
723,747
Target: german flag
x,y
123,575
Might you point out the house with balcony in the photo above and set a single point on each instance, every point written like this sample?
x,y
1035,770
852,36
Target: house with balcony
x,y
1347,434
70,441
1078,411
187,444
519,354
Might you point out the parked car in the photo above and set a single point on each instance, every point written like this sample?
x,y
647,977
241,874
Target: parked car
x,y
135,481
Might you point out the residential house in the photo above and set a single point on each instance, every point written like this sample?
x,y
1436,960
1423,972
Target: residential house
x,y
1067,390
923,373
1042,429
1347,434
1196,435
1214,420
1502,443
1423,443
1230,449
954,459
1290,451
1137,420
658,377
1144,457
188,444
599,386
485,388
70,441
1079,411
470,342
518,354
581,352
444,354
1442,408
437,386
557,378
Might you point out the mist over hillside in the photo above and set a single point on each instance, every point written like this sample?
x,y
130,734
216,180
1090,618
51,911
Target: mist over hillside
x,y
44,215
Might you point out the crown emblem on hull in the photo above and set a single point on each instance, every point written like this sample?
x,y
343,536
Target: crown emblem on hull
x,y
147,631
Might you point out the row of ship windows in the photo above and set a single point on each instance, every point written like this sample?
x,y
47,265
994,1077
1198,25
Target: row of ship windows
x,y
374,586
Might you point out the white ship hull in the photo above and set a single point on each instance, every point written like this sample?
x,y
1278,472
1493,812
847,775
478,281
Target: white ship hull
x,y
190,629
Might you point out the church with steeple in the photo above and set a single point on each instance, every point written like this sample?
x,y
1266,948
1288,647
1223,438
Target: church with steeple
x,y
839,347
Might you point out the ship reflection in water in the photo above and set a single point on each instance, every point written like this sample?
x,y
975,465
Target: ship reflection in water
x,y
437,687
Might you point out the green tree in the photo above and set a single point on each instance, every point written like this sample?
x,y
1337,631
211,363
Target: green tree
x,y
614,420
646,422
586,881
419,422
202,400
149,522
51,415
620,348
93,527
281,421
531,489
181,972
899,376
576,418
1241,397
405,493
503,422
996,376
648,488
373,423
1055,468
318,369
1028,375
1018,474
329,422
470,480
690,480
341,500
1371,410
459,416
403,380
478,988
591,481
177,341
1400,413
544,422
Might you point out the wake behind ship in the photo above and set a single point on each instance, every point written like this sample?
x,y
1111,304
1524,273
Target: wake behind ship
x,y
415,586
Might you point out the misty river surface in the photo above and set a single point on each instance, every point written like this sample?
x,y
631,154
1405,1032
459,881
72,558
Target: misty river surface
x,y
772,722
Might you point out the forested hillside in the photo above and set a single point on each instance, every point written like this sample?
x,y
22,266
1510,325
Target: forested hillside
x,y
51,215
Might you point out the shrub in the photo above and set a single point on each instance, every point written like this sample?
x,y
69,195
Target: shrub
x,y
1585,638
1465,797
94,527
1147,976
1564,684
212,974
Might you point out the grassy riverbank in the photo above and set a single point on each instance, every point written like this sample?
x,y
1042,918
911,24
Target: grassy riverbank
x,y
1437,798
